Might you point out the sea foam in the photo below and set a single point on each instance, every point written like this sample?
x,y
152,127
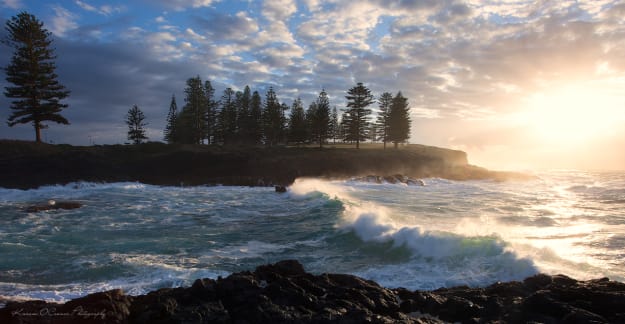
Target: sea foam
x,y
476,260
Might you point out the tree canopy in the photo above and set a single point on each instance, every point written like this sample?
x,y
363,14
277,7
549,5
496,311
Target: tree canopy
x,y
357,114
399,120
170,133
135,119
385,101
36,90
243,118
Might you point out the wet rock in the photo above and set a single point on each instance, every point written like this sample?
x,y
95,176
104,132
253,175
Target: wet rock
x,y
392,179
285,293
103,307
53,205
415,182
280,189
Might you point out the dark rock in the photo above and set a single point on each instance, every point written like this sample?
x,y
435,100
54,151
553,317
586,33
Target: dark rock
x,y
582,316
285,293
28,165
103,307
390,179
53,205
280,189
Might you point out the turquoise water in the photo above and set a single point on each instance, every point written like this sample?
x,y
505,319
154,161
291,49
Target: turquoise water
x,y
141,237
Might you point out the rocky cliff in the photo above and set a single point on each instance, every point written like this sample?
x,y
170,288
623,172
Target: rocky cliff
x,y
28,165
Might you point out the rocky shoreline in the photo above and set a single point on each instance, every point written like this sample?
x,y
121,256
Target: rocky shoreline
x,y
285,293
29,165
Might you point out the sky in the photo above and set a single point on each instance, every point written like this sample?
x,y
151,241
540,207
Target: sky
x,y
515,84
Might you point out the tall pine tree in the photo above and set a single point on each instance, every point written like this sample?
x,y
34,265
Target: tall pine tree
x,y
298,130
399,120
357,113
136,123
191,124
170,133
31,70
256,119
385,101
334,125
244,101
227,117
210,112
273,120
320,122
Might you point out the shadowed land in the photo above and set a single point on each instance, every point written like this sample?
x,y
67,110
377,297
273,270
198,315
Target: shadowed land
x,y
285,293
30,165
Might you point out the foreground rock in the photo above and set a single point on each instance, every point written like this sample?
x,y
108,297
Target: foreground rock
x,y
285,293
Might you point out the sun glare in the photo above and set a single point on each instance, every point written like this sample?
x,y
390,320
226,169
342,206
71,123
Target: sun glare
x,y
573,115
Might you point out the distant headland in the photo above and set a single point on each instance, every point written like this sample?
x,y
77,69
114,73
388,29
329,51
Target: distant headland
x,y
29,165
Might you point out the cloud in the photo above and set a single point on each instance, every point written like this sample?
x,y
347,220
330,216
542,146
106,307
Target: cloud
x,y
63,21
13,4
86,6
182,5
279,10
105,10
460,63
226,26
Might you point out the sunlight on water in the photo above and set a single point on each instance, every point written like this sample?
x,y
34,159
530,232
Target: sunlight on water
x,y
140,237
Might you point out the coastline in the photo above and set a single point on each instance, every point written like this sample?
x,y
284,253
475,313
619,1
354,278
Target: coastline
x,y
29,165
285,293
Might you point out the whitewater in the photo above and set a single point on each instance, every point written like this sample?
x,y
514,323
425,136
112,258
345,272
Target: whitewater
x,y
140,237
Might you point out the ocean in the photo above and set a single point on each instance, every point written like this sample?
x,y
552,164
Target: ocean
x,y
140,237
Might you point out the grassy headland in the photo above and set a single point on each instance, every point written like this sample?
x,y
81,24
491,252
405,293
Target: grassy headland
x,y
30,165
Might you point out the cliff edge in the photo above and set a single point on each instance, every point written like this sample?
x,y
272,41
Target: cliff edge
x,y
29,165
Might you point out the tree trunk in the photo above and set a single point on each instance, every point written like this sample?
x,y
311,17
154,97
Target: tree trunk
x,y
37,132
395,144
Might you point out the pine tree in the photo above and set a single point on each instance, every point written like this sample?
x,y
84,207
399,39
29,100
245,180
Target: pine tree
x,y
227,117
320,122
31,70
191,124
399,120
311,114
356,117
344,128
210,113
170,134
334,125
244,101
256,120
135,121
385,101
284,124
298,130
273,120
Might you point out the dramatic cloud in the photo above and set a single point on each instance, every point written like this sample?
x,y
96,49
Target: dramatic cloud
x,y
467,67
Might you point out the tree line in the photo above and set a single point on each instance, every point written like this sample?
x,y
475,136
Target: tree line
x,y
244,118
235,118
